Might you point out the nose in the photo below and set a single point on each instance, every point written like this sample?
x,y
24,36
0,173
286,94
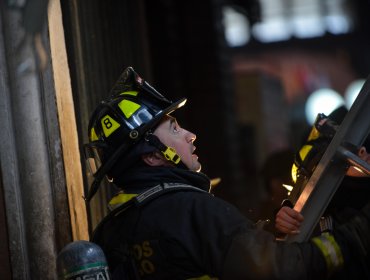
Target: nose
x,y
190,136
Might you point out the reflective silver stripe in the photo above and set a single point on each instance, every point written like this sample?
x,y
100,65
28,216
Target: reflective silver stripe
x,y
141,197
326,224
166,186
330,250
175,185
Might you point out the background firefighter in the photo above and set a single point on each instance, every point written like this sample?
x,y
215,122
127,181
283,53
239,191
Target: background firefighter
x,y
352,194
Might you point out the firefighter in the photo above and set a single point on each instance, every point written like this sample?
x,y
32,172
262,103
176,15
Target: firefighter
x,y
352,194
164,223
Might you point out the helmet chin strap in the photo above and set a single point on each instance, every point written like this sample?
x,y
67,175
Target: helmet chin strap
x,y
168,152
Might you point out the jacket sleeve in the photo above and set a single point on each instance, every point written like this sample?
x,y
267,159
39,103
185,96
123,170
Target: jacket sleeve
x,y
235,249
254,255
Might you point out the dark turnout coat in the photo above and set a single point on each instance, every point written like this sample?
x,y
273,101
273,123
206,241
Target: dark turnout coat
x,y
177,230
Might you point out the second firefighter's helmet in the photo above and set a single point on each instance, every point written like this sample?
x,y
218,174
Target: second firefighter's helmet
x,y
310,154
133,109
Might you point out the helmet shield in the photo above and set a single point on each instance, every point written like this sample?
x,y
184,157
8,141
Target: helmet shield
x,y
122,120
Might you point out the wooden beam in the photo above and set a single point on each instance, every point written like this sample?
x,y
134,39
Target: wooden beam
x,y
67,123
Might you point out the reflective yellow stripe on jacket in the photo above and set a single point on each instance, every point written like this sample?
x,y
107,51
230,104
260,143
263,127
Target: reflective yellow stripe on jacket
x,y
119,199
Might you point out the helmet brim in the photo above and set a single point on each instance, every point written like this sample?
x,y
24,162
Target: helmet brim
x,y
173,107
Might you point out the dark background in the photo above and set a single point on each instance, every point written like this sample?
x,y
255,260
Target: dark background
x,y
244,103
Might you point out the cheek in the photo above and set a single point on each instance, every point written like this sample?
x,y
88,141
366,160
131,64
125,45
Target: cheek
x,y
181,147
178,145
170,142
182,153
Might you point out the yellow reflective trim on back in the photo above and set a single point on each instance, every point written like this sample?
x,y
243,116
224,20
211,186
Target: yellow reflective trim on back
x,y
109,125
93,136
119,199
128,107
132,92
303,152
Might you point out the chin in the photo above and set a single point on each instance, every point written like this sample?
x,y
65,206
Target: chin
x,y
197,168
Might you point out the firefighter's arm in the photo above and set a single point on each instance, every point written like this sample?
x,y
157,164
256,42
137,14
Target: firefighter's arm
x,y
357,231
349,241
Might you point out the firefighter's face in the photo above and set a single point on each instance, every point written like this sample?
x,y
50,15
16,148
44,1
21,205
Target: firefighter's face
x,y
365,156
180,139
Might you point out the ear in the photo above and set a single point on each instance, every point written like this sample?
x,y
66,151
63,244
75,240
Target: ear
x,y
154,159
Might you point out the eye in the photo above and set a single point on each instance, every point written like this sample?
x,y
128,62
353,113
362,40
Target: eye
x,y
176,128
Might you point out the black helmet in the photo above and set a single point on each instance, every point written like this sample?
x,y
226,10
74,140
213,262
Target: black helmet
x,y
310,154
132,111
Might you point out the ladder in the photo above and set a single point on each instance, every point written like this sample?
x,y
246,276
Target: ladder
x,y
329,173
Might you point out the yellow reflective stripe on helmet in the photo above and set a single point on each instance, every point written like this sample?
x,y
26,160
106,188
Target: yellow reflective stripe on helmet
x,y
128,107
93,136
119,199
204,277
109,125
132,92
303,152
314,134
330,250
